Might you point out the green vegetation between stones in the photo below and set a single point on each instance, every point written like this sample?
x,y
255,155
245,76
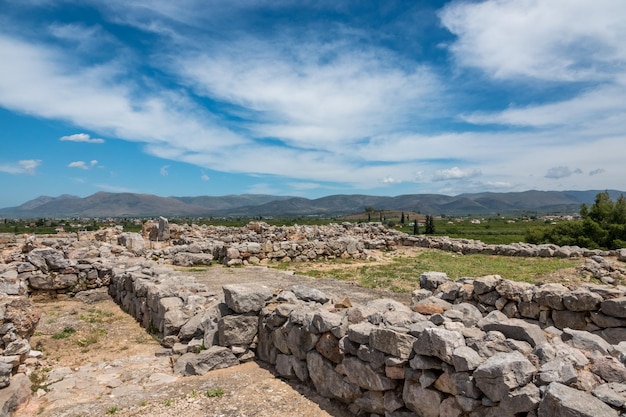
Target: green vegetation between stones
x,y
402,273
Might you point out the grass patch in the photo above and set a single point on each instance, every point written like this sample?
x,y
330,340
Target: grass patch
x,y
402,273
64,334
92,338
95,315
112,410
217,392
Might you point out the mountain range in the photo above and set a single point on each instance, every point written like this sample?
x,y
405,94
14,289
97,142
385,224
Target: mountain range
x,y
103,204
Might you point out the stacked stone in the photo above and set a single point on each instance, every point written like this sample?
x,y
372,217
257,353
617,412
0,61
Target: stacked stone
x,y
383,358
598,309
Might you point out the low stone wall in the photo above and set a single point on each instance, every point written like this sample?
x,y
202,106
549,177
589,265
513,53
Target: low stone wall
x,y
385,359
473,347
598,309
437,357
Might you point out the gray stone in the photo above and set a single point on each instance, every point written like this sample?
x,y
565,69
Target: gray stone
x,y
465,358
581,299
502,373
372,402
439,342
486,284
246,298
520,400
5,374
562,401
609,369
328,382
615,307
48,259
556,370
392,342
569,319
301,341
551,295
325,321
305,293
514,328
585,341
613,394
215,357
361,374
423,401
470,315
431,280
237,330
360,333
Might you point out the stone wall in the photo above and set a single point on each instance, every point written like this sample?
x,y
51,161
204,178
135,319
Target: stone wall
x,y
480,346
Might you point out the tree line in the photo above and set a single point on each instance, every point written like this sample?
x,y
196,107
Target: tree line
x,y
601,226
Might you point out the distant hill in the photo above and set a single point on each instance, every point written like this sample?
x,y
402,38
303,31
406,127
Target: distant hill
x,y
104,204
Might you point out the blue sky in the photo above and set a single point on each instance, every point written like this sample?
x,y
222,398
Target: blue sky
x,y
310,98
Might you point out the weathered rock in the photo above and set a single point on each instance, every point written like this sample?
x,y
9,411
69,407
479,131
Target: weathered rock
x,y
562,401
5,374
613,394
557,370
581,299
514,328
361,374
465,358
328,382
237,330
431,280
486,284
615,307
569,319
520,400
305,293
246,298
328,347
585,341
439,342
551,295
423,401
215,357
392,342
502,373
14,395
609,369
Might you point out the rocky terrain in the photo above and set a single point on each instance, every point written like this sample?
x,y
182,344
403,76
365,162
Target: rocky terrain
x,y
473,347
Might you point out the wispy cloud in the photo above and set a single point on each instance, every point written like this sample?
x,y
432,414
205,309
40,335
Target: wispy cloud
x,y
81,137
164,170
455,173
25,167
82,164
597,171
204,176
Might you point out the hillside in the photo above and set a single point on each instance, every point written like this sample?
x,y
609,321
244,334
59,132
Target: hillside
x,y
104,204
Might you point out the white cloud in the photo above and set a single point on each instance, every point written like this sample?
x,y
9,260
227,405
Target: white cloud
x,y
164,170
390,180
83,164
562,172
563,40
455,173
25,167
81,137
317,94
204,177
